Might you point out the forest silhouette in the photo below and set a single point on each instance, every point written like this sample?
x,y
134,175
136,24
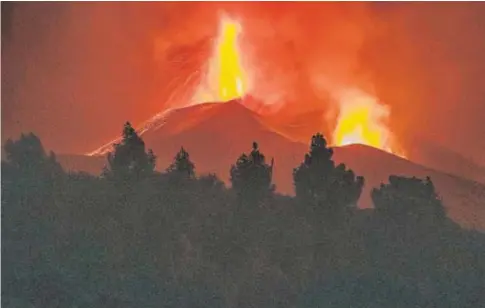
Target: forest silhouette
x,y
137,237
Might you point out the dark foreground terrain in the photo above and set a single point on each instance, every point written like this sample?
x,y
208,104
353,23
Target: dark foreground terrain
x,y
134,237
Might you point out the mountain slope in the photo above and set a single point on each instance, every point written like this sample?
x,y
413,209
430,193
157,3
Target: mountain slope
x,y
438,157
215,135
464,199
224,134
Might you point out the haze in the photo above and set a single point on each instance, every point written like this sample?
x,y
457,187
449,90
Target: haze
x,y
74,72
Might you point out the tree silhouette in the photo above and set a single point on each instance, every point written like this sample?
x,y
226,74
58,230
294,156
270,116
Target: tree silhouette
x,y
27,157
129,159
182,165
251,176
211,181
404,198
321,184
84,242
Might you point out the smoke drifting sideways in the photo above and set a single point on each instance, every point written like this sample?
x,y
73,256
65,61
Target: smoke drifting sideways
x,y
284,47
68,66
426,61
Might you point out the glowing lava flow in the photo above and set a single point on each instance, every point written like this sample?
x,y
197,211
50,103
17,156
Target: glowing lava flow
x,y
226,78
361,121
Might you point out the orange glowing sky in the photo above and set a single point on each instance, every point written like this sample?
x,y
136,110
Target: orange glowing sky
x,y
361,118
72,72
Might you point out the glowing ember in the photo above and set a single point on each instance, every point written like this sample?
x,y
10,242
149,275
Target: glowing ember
x,y
361,120
226,78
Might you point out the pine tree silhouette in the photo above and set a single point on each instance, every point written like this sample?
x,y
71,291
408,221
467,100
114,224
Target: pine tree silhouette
x,y
405,198
322,185
182,165
251,176
28,157
129,159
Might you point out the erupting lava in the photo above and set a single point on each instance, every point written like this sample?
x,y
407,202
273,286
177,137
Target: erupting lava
x,y
361,121
226,78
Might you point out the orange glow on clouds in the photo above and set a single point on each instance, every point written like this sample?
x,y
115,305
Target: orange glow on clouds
x,y
361,118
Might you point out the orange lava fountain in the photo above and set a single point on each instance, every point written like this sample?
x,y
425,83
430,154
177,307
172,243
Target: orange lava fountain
x,y
226,78
361,120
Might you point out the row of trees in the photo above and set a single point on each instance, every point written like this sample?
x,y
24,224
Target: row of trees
x,y
135,237
320,184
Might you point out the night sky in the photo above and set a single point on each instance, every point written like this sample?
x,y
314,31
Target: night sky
x,y
74,72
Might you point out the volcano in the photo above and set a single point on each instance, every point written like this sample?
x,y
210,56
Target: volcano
x,y
216,134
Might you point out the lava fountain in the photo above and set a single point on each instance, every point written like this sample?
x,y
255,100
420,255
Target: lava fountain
x,y
226,78
361,120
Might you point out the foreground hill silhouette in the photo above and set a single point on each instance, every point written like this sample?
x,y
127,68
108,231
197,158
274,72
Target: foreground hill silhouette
x,y
215,133
134,237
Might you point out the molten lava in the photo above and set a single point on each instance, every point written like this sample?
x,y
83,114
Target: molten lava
x,y
226,78
229,70
361,120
